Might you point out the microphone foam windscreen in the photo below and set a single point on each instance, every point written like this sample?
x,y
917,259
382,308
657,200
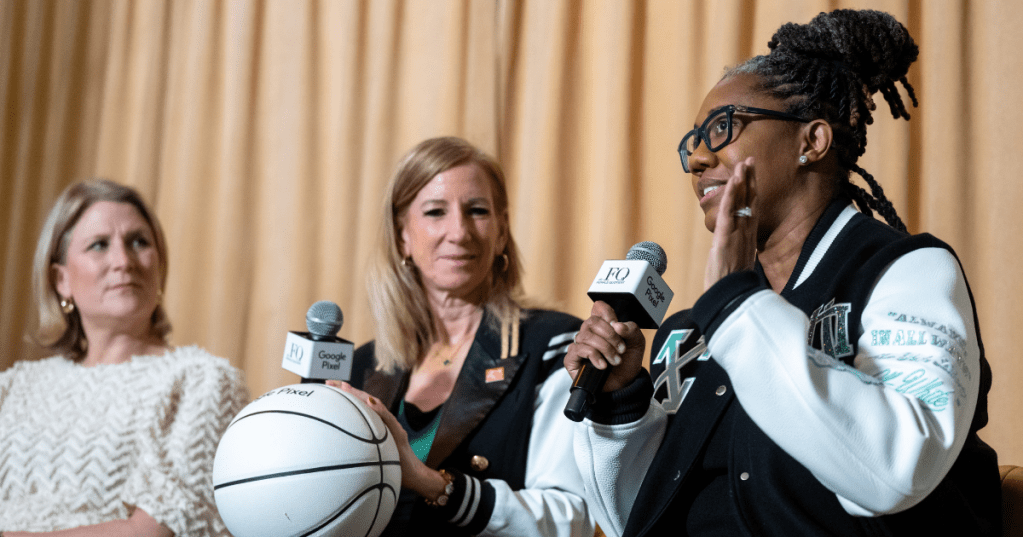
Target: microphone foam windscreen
x,y
652,253
324,318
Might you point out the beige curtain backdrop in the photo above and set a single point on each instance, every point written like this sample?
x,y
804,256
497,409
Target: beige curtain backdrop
x,y
263,132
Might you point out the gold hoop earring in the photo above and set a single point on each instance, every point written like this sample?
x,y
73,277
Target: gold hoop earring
x,y
67,305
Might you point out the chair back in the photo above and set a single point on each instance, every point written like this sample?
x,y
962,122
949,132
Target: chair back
x,y
1012,500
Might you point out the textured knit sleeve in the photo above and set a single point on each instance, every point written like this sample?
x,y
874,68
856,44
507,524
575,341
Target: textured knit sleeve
x,y
173,479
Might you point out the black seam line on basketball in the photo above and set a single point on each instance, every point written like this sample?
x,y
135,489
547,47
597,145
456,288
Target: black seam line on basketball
x,y
321,420
380,451
380,457
344,509
305,471
361,414
347,400
344,398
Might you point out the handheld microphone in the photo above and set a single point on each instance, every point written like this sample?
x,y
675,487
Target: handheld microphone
x,y
634,289
319,355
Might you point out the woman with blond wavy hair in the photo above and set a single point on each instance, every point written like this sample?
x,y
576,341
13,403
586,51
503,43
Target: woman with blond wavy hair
x,y
115,433
459,371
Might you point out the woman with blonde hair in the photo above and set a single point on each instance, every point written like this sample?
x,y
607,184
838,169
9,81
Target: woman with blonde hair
x,y
114,434
459,371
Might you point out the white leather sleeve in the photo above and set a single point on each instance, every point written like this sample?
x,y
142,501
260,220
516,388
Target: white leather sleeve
x,y
884,433
552,503
613,461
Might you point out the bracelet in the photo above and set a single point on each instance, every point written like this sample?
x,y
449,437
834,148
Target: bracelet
x,y
441,501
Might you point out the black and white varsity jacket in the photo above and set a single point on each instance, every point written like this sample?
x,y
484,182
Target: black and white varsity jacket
x,y
846,405
509,412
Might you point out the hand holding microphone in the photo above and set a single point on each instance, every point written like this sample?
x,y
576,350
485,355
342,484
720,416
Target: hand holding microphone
x,y
628,295
607,354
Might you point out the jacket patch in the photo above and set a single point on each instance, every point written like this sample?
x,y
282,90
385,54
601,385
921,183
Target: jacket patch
x,y
670,348
829,329
494,374
674,378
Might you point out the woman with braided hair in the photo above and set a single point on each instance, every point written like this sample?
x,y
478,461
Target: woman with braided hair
x,y
831,379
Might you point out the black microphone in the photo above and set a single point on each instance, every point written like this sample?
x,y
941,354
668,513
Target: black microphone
x,y
319,355
636,292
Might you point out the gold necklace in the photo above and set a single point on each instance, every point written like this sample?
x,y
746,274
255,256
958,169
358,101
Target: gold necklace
x,y
451,355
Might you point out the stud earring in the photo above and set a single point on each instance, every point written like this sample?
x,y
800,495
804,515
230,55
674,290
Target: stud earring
x,y
803,160
67,305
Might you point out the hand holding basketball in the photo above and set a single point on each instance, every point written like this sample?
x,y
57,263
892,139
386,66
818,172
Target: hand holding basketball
x,y
415,475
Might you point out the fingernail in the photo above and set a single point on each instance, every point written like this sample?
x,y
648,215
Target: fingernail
x,y
372,400
616,360
621,348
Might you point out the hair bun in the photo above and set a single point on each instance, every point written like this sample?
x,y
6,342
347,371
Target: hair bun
x,y
872,44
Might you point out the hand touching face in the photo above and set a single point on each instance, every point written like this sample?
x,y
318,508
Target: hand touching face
x,y
772,143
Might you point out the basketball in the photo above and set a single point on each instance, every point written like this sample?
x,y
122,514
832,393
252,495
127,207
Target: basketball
x,y
306,460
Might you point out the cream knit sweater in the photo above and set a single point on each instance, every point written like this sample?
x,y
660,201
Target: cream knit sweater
x,y
83,445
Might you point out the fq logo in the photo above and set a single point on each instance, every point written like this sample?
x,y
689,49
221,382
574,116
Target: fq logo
x,y
616,275
295,353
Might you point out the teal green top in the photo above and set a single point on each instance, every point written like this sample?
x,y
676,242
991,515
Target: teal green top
x,y
421,440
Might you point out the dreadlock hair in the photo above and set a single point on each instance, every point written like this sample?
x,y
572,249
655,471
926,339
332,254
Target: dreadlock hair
x,y
830,69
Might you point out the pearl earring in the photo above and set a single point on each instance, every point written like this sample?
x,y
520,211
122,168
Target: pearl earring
x,y
67,305
803,160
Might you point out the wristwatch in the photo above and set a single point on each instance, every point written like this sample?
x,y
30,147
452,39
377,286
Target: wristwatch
x,y
441,501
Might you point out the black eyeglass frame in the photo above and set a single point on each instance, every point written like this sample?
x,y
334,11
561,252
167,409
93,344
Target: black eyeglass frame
x,y
701,132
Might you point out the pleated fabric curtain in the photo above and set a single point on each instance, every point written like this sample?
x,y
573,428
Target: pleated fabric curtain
x,y
264,132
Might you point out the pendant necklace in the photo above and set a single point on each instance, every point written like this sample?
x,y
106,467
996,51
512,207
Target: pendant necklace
x,y
447,360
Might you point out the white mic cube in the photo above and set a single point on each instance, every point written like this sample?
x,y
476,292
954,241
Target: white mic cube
x,y
319,360
634,290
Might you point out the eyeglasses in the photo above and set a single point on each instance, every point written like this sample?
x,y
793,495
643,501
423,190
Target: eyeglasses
x,y
717,130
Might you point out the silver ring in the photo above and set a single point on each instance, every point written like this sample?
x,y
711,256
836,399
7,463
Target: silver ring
x,y
745,212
